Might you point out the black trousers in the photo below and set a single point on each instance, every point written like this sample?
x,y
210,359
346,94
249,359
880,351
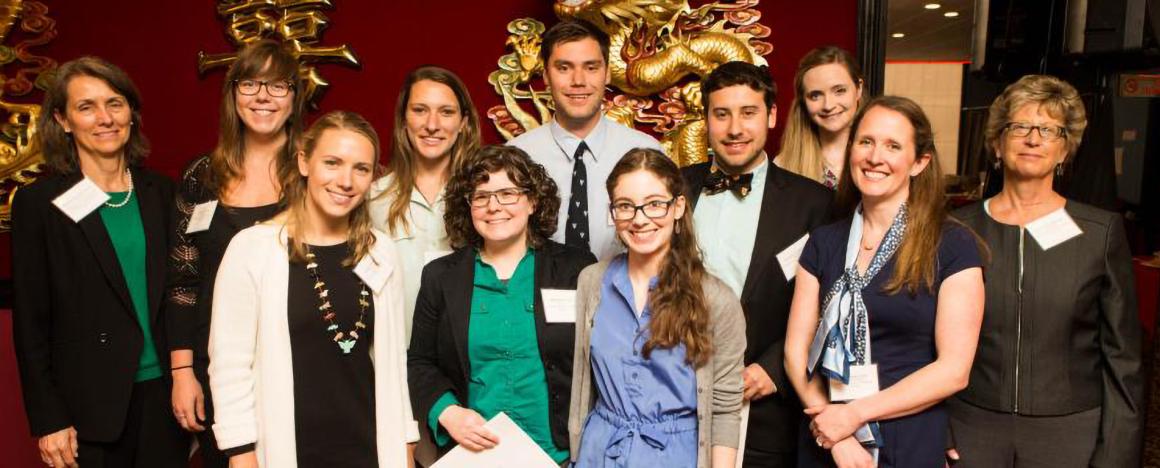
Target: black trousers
x,y
151,438
993,439
755,458
207,447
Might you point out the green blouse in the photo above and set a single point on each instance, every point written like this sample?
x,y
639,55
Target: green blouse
x,y
507,373
128,237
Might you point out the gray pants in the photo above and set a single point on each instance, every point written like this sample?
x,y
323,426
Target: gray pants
x,y
993,439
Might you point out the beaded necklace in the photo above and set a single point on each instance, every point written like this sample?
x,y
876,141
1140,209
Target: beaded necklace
x,y
344,340
128,194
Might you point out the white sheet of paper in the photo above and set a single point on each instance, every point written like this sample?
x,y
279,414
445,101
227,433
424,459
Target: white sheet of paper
x,y
373,274
81,199
559,305
1053,229
863,383
431,255
515,450
788,258
201,217
744,430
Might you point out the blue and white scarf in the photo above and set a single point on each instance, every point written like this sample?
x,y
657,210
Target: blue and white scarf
x,y
843,335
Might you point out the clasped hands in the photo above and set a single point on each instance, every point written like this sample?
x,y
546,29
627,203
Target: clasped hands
x,y
832,427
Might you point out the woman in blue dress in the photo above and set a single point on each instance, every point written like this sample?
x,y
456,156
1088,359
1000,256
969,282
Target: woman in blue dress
x,y
659,341
898,289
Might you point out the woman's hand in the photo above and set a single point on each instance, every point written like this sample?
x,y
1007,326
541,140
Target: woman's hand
x,y
188,400
245,460
466,427
848,453
59,449
832,423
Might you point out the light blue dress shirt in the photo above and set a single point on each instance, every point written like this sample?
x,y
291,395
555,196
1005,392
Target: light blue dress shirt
x,y
727,230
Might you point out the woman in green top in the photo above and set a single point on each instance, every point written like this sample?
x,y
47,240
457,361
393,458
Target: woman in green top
x,y
88,256
482,341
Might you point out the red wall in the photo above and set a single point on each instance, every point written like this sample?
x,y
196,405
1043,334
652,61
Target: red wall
x,y
157,44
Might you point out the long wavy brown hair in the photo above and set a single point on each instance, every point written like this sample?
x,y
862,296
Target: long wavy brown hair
x,y
361,237
523,172
266,60
679,309
403,153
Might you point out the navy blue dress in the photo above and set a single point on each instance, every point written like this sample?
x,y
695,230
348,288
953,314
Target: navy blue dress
x,y
901,340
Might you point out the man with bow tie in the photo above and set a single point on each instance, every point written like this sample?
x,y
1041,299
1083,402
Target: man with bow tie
x,y
752,219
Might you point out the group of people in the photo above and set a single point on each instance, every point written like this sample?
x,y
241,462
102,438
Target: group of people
x,y
290,305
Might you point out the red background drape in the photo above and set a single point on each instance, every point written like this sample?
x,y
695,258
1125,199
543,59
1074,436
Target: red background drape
x,y
157,43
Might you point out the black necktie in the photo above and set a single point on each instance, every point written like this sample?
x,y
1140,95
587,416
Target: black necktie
x,y
576,229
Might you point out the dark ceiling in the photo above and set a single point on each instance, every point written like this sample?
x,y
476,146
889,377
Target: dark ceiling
x,y
930,36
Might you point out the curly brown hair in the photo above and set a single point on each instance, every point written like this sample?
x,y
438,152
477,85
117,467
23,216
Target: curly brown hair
x,y
522,171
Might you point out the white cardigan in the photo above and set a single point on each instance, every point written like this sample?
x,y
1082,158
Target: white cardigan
x,y
250,370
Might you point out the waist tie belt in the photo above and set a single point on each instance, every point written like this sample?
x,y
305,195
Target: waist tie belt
x,y
655,434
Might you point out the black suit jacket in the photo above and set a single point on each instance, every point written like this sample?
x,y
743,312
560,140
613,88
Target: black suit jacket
x,y
78,342
437,360
791,206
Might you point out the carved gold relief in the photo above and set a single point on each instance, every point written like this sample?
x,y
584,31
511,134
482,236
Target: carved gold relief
x,y
660,49
21,160
297,23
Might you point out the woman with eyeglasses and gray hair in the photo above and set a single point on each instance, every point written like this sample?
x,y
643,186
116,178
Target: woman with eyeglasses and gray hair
x,y
494,326
1056,379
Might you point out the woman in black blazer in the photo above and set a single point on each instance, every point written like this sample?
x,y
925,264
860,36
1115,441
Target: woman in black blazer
x,y
482,339
88,254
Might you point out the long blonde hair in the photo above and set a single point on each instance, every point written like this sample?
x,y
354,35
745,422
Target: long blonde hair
x,y
801,147
361,237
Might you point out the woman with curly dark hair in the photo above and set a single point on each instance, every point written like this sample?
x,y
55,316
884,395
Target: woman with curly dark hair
x,y
494,326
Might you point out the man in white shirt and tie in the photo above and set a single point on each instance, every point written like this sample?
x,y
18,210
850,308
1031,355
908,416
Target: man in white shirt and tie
x,y
580,145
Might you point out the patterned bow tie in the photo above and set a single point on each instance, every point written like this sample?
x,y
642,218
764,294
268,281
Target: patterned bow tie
x,y
718,181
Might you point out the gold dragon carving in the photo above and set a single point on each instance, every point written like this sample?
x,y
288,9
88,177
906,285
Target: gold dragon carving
x,y
660,49
21,72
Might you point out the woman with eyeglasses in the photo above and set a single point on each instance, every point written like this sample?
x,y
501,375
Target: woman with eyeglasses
x,y
657,375
235,186
494,326
1057,379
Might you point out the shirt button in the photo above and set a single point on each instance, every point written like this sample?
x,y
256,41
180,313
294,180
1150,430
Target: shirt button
x,y
103,338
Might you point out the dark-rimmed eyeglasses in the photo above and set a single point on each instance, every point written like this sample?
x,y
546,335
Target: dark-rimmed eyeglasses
x,y
1047,132
505,196
278,88
624,211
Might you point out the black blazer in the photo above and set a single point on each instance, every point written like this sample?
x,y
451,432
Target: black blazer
x,y
437,360
78,342
791,206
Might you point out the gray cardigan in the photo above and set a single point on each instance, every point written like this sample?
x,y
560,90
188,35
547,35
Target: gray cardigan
x,y
719,383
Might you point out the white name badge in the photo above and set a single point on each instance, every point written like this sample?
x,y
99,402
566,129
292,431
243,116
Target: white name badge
x,y
201,217
863,383
371,273
431,255
1053,229
81,199
788,258
559,305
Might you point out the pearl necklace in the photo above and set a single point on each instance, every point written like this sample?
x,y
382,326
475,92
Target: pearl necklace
x,y
127,195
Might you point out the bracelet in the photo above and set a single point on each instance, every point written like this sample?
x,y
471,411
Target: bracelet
x,y
181,367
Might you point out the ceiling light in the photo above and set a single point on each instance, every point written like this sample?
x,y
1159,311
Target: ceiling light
x,y
951,14
932,6
898,35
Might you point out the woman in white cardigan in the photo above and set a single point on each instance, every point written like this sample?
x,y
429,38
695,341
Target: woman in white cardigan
x,y
307,356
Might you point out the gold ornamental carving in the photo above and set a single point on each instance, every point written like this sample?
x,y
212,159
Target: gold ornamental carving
x,y
660,49
23,25
296,23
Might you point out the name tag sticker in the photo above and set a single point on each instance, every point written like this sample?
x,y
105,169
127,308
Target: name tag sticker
x,y
431,255
1053,229
202,216
371,273
863,383
788,258
559,305
81,199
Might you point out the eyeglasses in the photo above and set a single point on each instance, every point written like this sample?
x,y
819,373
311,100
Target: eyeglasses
x,y
1048,133
505,196
624,211
278,88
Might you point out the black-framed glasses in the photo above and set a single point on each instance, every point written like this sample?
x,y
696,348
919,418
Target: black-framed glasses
x,y
278,88
1047,132
624,211
505,196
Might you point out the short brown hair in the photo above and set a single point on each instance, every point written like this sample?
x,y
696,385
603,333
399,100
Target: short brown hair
x,y
1054,95
736,73
60,152
523,172
571,31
